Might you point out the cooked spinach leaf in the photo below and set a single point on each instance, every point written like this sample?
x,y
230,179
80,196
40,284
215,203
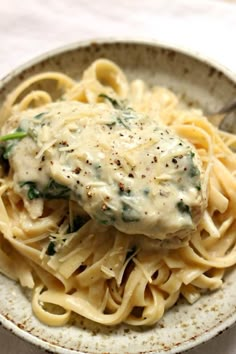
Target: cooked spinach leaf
x,y
33,192
129,214
51,249
7,151
198,187
183,208
121,121
125,114
193,169
8,141
53,190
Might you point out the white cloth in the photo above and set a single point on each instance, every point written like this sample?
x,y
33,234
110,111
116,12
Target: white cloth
x,y
30,27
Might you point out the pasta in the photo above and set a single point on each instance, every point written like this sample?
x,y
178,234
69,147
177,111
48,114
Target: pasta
x,y
110,273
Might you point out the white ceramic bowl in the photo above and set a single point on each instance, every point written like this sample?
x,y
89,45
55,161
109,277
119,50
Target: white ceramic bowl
x,y
201,82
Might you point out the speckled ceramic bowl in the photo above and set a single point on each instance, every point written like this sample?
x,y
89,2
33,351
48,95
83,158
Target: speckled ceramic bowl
x,y
200,81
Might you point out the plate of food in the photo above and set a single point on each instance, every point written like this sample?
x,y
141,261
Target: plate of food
x,y
118,197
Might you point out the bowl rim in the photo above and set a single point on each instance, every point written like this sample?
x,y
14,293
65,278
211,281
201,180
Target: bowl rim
x,y
181,49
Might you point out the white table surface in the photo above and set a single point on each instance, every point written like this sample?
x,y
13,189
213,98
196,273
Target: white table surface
x,y
30,27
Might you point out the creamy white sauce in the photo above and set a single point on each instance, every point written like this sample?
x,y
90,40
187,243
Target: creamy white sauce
x,y
123,168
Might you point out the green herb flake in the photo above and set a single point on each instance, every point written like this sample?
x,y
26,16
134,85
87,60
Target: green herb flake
x,y
40,115
103,222
146,191
12,136
111,124
110,219
113,101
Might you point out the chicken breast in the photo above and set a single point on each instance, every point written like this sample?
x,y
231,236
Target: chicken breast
x,y
123,168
